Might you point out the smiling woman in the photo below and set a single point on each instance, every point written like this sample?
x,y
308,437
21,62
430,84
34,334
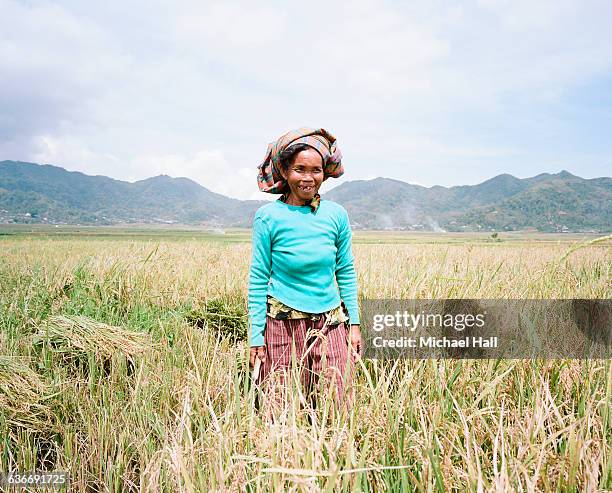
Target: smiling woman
x,y
302,168
301,249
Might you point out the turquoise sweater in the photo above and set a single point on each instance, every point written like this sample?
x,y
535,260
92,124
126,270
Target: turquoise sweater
x,y
297,255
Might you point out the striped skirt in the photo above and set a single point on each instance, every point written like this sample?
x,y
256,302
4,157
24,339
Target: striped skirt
x,y
321,355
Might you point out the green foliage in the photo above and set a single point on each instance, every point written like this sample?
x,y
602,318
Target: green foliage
x,y
548,203
228,317
30,193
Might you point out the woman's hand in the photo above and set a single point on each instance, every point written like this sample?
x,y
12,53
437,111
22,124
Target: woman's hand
x,y
257,352
355,342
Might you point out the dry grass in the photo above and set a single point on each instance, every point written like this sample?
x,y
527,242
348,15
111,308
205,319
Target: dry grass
x,y
74,335
22,396
181,417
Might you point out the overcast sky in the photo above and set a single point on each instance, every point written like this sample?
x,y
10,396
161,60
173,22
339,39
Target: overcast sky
x,y
430,92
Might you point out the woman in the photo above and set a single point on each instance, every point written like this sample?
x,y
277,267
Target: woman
x,y
301,247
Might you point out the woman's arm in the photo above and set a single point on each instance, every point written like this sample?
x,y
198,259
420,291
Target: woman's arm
x,y
259,276
345,269
347,282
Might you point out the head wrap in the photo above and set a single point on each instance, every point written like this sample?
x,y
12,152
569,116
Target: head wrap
x,y
269,178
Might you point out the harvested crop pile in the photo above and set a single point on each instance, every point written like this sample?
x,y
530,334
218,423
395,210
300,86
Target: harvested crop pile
x,y
22,395
73,335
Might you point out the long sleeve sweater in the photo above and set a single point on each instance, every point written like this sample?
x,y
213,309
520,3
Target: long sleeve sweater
x,y
297,256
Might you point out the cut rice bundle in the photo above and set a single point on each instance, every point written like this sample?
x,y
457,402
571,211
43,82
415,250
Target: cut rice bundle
x,y
85,335
22,395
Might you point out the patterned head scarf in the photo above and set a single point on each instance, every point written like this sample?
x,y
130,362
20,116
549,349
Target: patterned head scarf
x,y
269,178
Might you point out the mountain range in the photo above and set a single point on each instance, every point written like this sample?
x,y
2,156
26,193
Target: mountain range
x,y
560,202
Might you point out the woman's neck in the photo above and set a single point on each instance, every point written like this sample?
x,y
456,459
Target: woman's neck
x,y
292,200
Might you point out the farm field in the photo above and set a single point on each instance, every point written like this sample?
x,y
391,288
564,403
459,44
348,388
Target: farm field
x,y
123,360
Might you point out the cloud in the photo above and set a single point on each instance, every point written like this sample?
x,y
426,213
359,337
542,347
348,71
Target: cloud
x,y
236,25
53,64
207,167
74,156
430,92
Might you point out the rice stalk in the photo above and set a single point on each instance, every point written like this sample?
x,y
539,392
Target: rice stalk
x,y
584,244
22,395
78,334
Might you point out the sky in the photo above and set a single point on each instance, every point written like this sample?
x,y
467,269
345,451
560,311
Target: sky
x,y
427,92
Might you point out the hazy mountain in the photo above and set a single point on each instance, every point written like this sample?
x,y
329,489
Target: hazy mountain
x,y
32,193
546,202
63,196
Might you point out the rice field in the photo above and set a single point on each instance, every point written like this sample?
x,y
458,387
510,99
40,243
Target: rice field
x,y
123,360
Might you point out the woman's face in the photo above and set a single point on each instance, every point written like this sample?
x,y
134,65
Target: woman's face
x,y
304,175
